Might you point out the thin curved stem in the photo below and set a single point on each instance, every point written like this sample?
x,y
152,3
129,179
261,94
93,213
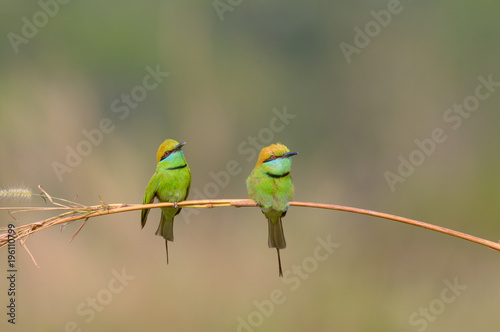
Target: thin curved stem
x,y
468,237
86,212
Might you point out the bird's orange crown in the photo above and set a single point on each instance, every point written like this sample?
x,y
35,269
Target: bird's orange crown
x,y
167,145
277,150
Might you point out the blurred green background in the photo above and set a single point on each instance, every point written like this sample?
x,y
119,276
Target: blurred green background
x,y
233,66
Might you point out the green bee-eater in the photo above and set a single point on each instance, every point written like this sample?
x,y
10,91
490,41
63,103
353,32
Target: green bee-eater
x,y
170,183
270,185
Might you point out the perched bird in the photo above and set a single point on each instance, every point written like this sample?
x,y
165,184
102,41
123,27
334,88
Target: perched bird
x,y
170,183
270,186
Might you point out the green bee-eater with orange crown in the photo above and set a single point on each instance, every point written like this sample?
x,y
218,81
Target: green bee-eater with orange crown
x,y
170,183
270,185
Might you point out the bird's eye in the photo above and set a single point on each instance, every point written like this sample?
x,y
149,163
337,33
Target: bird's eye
x,y
166,154
271,158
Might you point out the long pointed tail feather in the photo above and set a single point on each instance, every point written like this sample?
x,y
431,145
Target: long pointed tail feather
x,y
166,247
279,263
166,229
276,237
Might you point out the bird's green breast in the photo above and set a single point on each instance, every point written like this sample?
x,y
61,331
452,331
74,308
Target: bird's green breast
x,y
270,192
174,184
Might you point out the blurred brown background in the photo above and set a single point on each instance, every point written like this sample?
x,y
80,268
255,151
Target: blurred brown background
x,y
74,77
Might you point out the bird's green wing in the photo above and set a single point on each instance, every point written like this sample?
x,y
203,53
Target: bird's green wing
x,y
187,190
149,196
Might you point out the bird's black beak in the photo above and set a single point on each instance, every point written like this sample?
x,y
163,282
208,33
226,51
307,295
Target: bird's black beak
x,y
289,154
179,146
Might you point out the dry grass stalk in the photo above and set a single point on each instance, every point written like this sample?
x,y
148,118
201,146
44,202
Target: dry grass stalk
x,y
74,211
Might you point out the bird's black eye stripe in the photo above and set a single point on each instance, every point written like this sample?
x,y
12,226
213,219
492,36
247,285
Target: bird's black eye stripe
x,y
165,155
271,158
168,153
